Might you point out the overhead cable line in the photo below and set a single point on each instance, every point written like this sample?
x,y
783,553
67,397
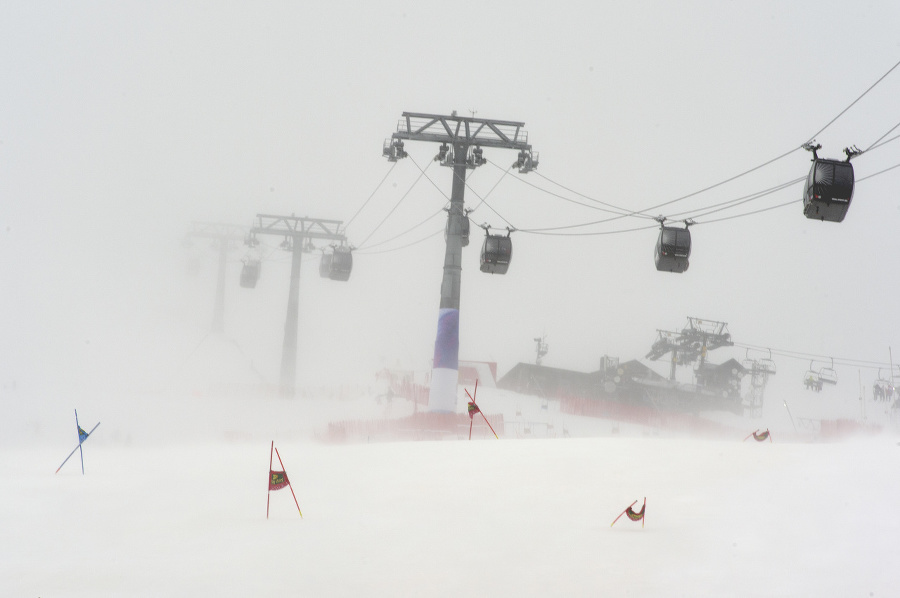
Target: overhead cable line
x,y
869,176
483,201
733,217
875,144
395,207
846,361
433,184
871,87
491,190
642,212
407,231
894,138
620,214
694,213
365,252
371,195
614,209
793,201
412,228
538,231
727,205
759,211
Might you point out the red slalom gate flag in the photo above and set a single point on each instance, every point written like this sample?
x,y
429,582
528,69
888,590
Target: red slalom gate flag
x,y
278,479
761,437
473,409
632,514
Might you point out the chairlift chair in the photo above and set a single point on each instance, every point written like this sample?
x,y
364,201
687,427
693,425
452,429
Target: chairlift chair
x,y
882,389
828,375
496,253
767,364
828,190
673,248
811,379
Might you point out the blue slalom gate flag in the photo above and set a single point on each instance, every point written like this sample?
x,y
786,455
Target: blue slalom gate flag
x,y
82,436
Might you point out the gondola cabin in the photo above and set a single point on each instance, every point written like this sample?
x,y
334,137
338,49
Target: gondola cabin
x,y
496,253
325,265
673,248
250,273
341,264
828,190
463,230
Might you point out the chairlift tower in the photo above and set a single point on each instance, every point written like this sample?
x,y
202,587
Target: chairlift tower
x,y
692,344
461,140
760,370
541,348
225,237
300,232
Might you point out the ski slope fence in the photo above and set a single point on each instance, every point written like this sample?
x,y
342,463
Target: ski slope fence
x,y
648,416
419,426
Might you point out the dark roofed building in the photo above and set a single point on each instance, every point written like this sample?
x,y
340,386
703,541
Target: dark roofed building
x,y
541,381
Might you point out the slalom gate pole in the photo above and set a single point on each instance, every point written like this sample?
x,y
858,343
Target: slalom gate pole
x,y
479,411
76,448
622,513
489,425
289,482
749,435
80,452
269,481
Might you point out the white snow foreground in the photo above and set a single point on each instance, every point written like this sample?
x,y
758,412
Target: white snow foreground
x,y
514,517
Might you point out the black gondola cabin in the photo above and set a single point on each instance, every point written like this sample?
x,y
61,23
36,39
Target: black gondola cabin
x,y
341,264
673,248
828,190
325,266
496,253
250,273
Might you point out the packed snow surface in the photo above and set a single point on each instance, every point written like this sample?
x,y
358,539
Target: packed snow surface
x,y
174,504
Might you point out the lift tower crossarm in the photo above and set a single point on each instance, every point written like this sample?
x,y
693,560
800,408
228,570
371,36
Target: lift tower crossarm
x,y
299,229
215,230
310,228
462,131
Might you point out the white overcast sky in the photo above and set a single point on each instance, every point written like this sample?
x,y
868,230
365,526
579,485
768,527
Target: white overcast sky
x,y
123,122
